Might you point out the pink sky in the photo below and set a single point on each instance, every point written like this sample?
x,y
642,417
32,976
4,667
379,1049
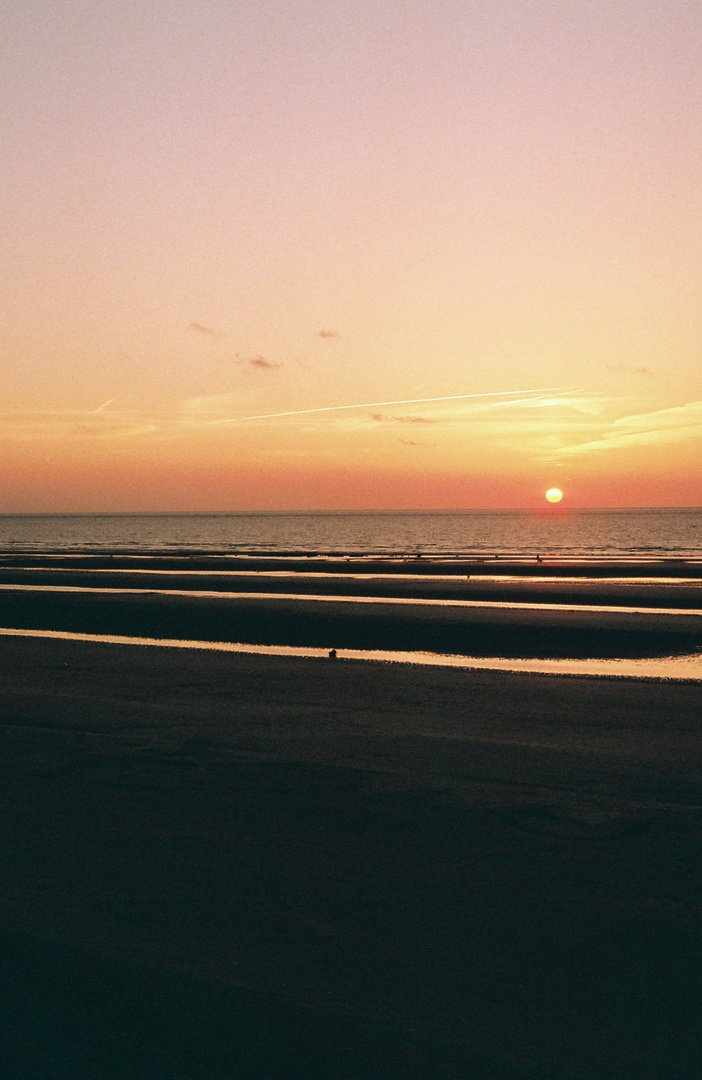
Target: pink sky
x,y
350,213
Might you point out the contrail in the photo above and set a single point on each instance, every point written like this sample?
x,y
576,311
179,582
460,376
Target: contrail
x,y
384,404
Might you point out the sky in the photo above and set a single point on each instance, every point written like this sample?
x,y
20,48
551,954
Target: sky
x,y
350,254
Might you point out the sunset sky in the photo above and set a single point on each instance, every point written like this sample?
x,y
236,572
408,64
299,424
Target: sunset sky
x,y
344,254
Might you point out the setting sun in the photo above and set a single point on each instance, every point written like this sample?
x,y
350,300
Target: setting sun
x,y
554,495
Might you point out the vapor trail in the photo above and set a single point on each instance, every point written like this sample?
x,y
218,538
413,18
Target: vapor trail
x,y
403,401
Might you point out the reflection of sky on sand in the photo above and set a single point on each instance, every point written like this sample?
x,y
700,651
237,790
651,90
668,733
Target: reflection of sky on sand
x,y
687,667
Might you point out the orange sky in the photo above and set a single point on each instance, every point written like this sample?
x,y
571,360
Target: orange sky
x,y
362,215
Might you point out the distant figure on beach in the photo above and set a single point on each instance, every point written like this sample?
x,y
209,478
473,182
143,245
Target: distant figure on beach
x,y
538,558
332,654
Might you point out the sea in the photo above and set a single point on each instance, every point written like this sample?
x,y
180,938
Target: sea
x,y
639,533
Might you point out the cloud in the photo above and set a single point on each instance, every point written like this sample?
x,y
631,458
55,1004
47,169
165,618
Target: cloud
x,y
588,404
318,410
121,430
326,334
384,417
200,329
629,369
62,424
677,424
261,362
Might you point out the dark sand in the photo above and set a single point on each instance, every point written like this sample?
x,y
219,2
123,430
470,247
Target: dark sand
x,y
677,593
332,623
221,866
339,563
494,607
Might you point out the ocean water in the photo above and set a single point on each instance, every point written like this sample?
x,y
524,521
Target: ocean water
x,y
666,533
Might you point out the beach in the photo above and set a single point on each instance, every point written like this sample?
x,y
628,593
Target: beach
x,y
229,865
554,608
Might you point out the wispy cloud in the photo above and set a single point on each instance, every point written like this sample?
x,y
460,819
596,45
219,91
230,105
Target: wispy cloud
x,y
386,418
261,362
117,430
676,424
200,329
564,401
60,424
328,334
631,369
387,404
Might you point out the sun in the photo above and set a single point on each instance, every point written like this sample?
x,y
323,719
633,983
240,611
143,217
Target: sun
x,y
554,495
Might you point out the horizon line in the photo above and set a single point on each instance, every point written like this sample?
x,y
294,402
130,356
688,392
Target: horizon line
x,y
556,510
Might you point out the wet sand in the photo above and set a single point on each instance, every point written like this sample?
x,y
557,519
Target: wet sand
x,y
561,589
233,866
462,627
458,565
501,607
